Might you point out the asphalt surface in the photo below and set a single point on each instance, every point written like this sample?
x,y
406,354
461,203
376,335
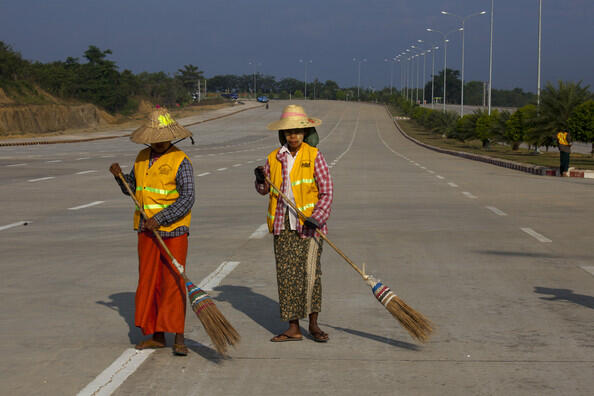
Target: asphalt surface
x,y
501,261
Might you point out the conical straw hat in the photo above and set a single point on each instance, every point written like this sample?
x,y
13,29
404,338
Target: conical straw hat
x,y
159,128
293,117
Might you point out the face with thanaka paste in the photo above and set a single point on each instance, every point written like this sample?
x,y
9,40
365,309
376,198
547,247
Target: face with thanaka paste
x,y
294,139
160,147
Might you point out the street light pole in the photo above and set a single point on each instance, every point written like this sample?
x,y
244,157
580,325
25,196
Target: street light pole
x,y
305,81
433,73
539,43
463,19
491,57
445,54
359,74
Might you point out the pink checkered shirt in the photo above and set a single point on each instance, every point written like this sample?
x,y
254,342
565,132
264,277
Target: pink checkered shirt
x,y
322,209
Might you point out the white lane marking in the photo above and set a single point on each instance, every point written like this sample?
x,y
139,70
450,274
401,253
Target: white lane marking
x,y
588,268
53,161
469,195
260,233
20,223
496,211
534,234
41,179
423,167
452,184
430,171
115,375
123,166
440,177
108,156
250,162
204,174
349,146
85,172
11,165
86,205
221,169
213,280
236,165
83,158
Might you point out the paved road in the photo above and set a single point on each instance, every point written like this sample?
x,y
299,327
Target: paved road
x,y
501,261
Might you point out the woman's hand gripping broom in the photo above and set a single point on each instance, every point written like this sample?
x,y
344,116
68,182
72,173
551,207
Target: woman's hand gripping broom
x,y
413,321
215,324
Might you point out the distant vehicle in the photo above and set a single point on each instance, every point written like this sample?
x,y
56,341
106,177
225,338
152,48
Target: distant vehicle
x,y
230,96
263,99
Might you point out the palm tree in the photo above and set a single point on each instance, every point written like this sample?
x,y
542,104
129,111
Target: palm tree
x,y
557,104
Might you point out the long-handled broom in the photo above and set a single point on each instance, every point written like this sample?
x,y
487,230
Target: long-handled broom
x,y
413,321
215,324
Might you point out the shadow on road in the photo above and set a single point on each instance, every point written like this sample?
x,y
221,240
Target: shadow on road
x,y
258,307
535,255
374,337
123,303
567,295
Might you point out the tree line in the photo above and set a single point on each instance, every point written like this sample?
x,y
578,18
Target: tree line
x,y
567,107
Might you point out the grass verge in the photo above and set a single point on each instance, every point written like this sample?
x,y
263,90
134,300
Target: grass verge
x,y
548,159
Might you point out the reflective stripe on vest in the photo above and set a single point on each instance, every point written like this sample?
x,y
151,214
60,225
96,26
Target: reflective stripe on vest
x,y
303,184
156,186
562,138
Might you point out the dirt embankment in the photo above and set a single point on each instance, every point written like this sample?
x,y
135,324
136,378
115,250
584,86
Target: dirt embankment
x,y
31,119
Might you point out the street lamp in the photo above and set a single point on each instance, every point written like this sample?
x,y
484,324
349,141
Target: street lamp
x,y
445,54
391,65
359,74
305,83
432,50
491,56
255,66
539,42
463,19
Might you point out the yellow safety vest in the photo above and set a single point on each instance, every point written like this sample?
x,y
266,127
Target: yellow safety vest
x,y
303,183
156,186
562,138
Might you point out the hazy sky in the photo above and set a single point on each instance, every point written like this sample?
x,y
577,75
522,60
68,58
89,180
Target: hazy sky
x,y
222,36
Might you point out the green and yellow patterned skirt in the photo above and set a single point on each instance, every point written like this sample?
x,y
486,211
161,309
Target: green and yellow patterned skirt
x,y
298,273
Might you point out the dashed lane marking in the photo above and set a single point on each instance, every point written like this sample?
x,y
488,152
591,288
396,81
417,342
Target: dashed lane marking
x,y
496,211
41,179
115,375
20,223
588,268
53,161
222,169
536,235
204,174
86,205
13,165
236,165
452,184
213,280
260,233
85,172
440,177
469,195
83,158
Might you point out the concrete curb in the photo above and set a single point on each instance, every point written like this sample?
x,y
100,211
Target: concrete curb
x,y
533,169
34,142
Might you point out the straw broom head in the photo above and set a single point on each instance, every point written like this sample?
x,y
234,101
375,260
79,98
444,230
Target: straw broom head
x,y
413,321
215,324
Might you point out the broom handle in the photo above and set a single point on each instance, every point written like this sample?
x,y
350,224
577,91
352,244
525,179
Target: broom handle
x,y
177,265
324,237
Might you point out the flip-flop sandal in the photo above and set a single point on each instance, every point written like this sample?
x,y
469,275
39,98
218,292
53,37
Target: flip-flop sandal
x,y
149,344
284,337
180,350
319,336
